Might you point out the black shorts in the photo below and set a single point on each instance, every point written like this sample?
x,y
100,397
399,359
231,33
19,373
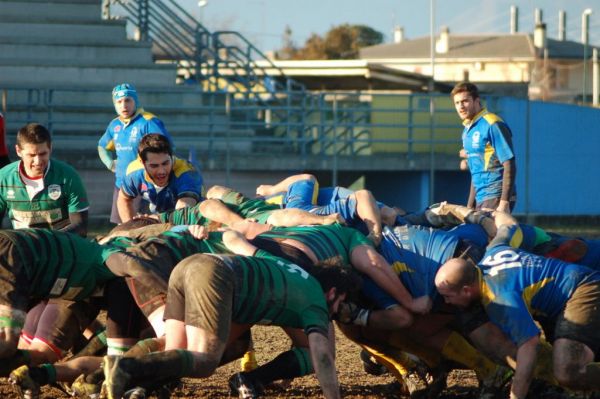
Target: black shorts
x,y
59,323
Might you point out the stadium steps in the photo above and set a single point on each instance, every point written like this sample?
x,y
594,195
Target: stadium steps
x,y
67,43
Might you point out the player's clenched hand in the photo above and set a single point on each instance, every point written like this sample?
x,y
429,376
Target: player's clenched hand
x,y
421,305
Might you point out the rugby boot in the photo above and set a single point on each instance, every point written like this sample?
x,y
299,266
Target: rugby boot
x,y
26,386
135,393
115,379
370,364
244,387
82,388
492,386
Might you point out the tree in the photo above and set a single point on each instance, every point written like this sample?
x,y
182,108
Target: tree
x,y
288,49
340,42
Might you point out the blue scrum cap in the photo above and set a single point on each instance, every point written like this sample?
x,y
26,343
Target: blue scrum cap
x,y
124,90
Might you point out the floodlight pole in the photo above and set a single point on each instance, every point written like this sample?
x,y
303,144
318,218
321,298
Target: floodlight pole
x,y
585,38
431,102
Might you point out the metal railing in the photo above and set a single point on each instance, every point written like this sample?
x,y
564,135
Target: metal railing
x,y
222,61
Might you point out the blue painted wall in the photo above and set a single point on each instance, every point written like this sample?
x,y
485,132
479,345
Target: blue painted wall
x,y
558,160
558,163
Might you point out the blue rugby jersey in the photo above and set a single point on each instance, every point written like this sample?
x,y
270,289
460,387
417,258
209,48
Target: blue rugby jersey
x,y
517,286
416,253
123,138
185,181
487,141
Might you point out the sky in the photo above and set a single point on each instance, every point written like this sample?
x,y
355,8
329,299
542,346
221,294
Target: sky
x,y
264,21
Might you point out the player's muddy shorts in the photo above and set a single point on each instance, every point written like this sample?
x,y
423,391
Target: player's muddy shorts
x,y
59,323
150,256
201,291
580,319
14,284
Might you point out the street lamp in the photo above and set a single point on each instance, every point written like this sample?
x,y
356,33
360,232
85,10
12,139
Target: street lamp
x,y
201,5
585,38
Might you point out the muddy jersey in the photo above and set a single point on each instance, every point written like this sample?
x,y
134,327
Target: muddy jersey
x,y
271,290
180,245
56,264
63,193
331,243
517,286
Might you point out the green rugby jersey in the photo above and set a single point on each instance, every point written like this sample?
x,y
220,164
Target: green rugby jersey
x,y
63,193
185,215
182,244
331,243
57,264
249,208
271,290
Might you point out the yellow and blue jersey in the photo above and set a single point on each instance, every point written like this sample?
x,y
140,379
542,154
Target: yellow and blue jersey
x,y
185,181
518,287
487,141
415,253
123,137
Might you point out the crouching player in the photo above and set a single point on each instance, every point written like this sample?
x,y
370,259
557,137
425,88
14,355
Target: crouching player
x,y
516,288
204,314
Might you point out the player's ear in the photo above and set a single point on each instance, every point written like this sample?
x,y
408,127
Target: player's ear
x,y
331,294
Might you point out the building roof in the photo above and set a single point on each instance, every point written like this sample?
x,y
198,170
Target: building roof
x,y
348,75
480,46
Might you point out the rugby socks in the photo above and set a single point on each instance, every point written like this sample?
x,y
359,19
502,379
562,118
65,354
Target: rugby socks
x,y
164,365
44,374
141,348
460,350
402,342
248,361
144,347
20,358
94,345
544,369
117,350
397,362
288,365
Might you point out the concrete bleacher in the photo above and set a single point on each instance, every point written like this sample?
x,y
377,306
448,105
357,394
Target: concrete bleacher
x,y
70,58
59,61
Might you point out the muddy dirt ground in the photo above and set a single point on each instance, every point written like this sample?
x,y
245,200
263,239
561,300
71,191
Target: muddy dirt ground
x,y
270,341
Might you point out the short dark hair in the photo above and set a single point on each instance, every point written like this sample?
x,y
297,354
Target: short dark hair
x,y
342,278
467,87
155,143
33,133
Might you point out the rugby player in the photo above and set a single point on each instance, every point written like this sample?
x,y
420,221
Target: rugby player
x,y
516,288
117,147
235,292
163,181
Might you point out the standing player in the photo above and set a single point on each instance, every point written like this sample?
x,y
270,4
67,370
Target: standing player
x,y
487,141
118,145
